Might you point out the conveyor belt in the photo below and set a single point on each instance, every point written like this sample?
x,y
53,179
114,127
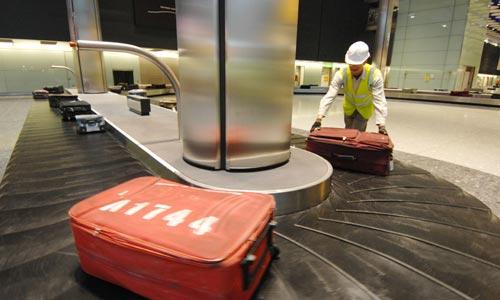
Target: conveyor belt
x,y
52,168
406,236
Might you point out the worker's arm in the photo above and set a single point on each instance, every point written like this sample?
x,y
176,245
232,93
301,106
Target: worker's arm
x,y
379,100
327,100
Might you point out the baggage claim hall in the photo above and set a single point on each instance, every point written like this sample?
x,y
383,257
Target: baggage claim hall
x,y
237,149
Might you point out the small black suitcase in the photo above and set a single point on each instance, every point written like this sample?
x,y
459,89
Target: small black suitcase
x,y
40,94
90,123
69,109
54,89
115,89
139,104
56,99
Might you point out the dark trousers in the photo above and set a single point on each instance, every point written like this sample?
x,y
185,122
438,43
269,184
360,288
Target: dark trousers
x,y
355,121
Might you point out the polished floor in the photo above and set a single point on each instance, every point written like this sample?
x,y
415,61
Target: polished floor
x,y
13,112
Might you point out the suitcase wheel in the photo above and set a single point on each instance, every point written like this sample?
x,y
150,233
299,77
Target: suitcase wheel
x,y
275,252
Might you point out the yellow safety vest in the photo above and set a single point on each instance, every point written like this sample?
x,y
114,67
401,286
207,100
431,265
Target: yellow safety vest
x,y
362,98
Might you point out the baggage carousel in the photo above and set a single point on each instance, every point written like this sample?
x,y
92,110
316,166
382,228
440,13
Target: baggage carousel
x,y
409,235
155,139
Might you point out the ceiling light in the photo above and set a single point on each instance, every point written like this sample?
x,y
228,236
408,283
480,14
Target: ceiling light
x,y
166,53
444,25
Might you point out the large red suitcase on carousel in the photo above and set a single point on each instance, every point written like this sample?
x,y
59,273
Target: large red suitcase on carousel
x,y
351,149
164,240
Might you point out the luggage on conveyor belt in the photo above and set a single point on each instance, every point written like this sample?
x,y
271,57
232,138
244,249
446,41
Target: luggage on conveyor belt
x,y
165,240
115,89
69,109
460,93
410,90
167,103
351,149
128,86
157,86
40,94
138,92
56,99
139,104
54,89
89,123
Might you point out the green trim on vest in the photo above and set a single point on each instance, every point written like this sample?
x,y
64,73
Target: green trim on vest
x,y
360,99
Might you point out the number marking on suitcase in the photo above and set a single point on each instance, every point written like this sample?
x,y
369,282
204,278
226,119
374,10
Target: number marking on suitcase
x,y
200,226
159,209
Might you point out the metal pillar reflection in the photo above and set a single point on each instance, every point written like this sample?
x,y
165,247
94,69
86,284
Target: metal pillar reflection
x,y
383,35
236,64
83,19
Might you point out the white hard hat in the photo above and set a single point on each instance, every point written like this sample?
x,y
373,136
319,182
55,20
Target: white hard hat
x,y
357,53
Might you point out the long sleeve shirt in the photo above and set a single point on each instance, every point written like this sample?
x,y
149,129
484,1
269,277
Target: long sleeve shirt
x,y
376,86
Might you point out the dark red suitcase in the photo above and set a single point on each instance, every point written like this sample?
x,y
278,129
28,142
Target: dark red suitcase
x,y
164,240
351,149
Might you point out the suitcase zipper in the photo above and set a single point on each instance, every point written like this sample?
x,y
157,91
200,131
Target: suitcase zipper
x,y
143,246
103,234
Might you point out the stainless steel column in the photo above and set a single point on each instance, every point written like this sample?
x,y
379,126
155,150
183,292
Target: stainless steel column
x,y
197,42
384,24
84,24
236,64
260,58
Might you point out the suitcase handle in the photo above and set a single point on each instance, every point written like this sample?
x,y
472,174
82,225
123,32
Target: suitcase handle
x,y
250,257
345,157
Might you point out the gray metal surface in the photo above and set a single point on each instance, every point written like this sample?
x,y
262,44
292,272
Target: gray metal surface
x,y
259,48
197,40
260,51
127,48
383,35
134,104
293,189
161,151
84,23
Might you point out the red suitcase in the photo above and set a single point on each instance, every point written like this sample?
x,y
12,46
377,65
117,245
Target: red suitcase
x,y
164,240
353,150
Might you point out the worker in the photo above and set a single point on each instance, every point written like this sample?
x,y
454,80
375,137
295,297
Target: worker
x,y
363,91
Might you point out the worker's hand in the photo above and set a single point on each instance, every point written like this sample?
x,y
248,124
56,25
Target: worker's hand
x,y
316,125
382,130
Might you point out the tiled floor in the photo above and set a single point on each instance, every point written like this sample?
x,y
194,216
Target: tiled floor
x,y
13,112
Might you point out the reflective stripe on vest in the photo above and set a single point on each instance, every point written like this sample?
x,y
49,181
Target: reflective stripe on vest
x,y
360,100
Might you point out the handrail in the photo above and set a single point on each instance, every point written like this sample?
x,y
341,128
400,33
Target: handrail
x,y
127,48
